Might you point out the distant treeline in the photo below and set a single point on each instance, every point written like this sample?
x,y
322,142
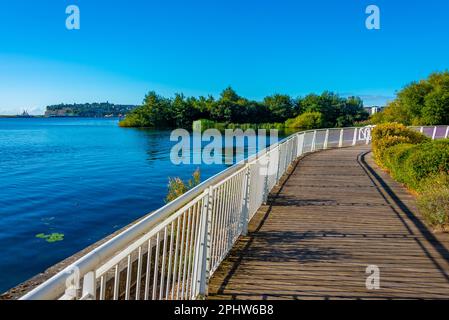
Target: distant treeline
x,y
103,109
424,102
325,110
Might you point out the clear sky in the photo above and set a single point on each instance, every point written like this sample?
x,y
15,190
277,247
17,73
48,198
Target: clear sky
x,y
259,47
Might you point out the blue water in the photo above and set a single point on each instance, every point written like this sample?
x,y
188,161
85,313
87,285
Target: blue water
x,y
84,178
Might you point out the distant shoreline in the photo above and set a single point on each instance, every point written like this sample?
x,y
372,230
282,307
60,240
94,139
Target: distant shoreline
x,y
51,117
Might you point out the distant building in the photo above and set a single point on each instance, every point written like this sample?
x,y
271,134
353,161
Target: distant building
x,y
374,109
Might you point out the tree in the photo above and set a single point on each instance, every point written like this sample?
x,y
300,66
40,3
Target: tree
x,y
436,108
351,111
181,112
281,107
229,108
155,112
184,111
420,103
230,95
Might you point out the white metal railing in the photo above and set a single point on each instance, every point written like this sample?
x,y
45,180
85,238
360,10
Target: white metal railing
x,y
171,253
434,132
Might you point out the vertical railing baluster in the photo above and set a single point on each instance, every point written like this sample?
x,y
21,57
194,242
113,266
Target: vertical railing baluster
x,y
223,229
164,249
191,250
128,278
203,255
313,147
116,282
156,266
434,134
246,201
220,217
354,140
326,140
178,286
102,287
186,253
340,141
214,226
199,207
148,271
139,273
89,286
175,265
170,258
266,178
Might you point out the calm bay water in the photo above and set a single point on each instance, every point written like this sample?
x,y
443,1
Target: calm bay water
x,y
84,178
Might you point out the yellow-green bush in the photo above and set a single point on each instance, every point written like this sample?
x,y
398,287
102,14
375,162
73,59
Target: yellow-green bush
x,y
390,134
381,146
306,121
433,200
410,164
394,157
425,160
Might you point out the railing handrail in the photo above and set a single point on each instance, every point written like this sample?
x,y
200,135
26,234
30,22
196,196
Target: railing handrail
x,y
55,287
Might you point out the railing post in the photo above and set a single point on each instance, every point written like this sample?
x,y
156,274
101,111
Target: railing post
x,y
447,133
301,144
313,147
245,210
354,141
340,142
266,179
203,257
279,151
326,139
434,135
73,288
368,134
89,288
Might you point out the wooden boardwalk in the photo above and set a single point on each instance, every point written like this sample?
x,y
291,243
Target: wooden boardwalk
x,y
334,214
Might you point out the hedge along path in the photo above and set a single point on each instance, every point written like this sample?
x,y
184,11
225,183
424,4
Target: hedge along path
x,y
334,214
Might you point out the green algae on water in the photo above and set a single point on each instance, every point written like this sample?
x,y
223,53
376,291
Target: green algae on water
x,y
54,237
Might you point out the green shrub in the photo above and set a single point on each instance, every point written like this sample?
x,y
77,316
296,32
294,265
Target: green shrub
x,y
433,201
382,145
425,160
387,135
177,187
410,164
394,158
306,121
419,163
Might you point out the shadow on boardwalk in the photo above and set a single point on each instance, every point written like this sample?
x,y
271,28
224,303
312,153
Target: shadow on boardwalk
x,y
334,214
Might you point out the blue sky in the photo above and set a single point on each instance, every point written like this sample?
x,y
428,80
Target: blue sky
x,y
260,47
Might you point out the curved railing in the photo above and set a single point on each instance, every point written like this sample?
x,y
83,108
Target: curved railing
x,y
171,253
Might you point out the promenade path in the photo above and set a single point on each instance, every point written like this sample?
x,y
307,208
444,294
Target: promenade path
x,y
334,214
